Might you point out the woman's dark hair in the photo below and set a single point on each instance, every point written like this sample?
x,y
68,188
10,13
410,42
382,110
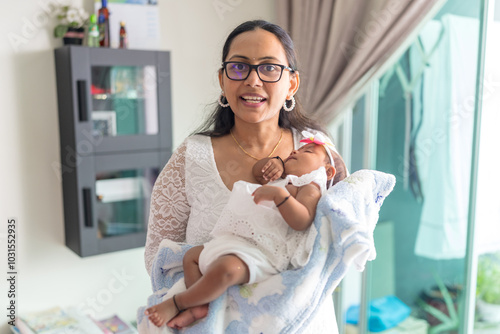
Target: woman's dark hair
x,y
221,120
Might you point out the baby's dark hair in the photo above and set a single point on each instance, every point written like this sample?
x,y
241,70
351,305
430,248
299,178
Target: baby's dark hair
x,y
340,168
339,165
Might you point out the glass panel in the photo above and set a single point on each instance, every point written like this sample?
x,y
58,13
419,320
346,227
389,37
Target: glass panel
x,y
487,234
123,200
358,137
488,293
425,126
124,100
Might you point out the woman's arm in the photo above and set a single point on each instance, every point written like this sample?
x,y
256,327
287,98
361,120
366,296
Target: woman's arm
x,y
298,211
169,208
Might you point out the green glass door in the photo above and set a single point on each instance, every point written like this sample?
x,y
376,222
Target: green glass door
x,y
486,255
124,101
122,199
425,117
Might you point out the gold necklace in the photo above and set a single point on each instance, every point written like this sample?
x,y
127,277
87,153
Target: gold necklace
x,y
251,156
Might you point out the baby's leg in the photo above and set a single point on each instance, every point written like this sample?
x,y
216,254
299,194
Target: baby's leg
x,y
224,272
163,312
191,274
190,264
188,317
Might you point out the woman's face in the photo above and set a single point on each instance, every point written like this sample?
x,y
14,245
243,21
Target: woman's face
x,y
252,100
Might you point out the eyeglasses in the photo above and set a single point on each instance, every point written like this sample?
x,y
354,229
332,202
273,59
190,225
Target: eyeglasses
x,y
267,72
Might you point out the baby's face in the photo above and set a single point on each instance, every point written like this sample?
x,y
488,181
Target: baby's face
x,y
306,159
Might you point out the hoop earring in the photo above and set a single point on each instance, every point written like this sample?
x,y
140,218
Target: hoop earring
x,y
222,104
291,107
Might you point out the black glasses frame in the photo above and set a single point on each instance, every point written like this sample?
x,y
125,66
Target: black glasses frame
x,y
256,68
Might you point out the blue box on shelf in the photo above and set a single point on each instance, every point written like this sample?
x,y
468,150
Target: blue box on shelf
x,y
385,313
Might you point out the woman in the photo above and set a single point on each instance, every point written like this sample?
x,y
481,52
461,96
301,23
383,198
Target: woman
x,y
257,117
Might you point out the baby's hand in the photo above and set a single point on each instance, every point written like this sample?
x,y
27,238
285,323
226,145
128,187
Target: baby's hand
x,y
272,170
265,193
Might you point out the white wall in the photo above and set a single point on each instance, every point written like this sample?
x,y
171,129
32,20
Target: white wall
x,y
195,31
49,273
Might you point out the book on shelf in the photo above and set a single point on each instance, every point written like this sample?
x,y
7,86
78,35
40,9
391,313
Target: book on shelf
x,y
59,321
115,325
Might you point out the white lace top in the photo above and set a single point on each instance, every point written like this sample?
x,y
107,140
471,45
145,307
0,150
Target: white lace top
x,y
187,200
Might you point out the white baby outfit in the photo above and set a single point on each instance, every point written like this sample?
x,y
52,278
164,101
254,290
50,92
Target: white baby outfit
x,y
258,234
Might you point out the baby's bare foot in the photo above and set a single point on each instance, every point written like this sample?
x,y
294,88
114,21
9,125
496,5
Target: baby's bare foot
x,y
189,316
161,313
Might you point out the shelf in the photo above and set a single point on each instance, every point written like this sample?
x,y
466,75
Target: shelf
x,y
131,95
118,190
109,119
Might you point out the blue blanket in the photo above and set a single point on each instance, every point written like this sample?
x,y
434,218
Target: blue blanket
x,y
286,303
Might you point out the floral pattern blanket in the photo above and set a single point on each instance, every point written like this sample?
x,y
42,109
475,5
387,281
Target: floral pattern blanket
x,y
345,219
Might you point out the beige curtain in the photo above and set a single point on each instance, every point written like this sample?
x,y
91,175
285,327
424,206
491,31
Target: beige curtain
x,y
342,43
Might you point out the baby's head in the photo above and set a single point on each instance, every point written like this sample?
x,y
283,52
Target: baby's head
x,y
323,153
308,158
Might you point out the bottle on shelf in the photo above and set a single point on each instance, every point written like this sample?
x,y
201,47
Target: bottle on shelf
x,y
123,36
93,33
103,17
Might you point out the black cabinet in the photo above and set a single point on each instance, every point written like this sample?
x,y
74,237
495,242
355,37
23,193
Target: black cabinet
x,y
115,134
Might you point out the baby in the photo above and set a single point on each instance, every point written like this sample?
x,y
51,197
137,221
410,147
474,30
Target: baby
x,y
252,242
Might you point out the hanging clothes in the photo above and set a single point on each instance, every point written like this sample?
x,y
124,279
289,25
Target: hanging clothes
x,y
412,122
443,143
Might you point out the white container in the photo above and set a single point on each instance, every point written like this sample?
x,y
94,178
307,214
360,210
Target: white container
x,y
489,312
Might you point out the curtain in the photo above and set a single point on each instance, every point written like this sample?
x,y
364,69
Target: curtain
x,y
342,43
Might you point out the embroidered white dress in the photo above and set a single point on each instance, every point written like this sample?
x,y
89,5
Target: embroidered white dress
x,y
187,200
263,227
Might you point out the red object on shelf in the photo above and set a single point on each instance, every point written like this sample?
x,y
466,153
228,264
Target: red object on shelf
x,y
98,90
123,36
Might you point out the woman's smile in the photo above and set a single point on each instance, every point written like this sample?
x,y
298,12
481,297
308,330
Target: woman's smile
x,y
253,100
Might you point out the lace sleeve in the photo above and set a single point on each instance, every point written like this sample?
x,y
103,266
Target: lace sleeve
x,y
169,208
